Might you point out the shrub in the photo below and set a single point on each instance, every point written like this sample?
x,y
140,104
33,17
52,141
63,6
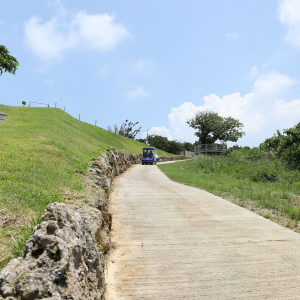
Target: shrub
x,y
285,146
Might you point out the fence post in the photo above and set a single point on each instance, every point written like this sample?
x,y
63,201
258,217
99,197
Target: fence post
x,y
79,117
95,122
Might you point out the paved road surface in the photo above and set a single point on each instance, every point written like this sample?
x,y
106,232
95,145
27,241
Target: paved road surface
x,y
178,242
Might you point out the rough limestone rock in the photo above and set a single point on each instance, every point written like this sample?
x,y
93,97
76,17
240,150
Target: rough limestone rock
x,y
63,258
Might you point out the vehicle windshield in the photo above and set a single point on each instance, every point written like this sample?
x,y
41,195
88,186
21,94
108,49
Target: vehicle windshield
x,y
148,153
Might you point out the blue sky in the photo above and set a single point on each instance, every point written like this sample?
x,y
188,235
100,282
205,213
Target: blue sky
x,y
158,62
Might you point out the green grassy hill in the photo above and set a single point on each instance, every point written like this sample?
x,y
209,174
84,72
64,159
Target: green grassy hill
x,y
42,153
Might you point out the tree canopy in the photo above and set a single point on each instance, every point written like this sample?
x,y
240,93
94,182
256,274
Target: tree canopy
x,y
7,62
285,145
211,127
163,143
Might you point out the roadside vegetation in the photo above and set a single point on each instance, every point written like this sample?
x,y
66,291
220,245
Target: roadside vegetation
x,y
43,153
8,63
265,179
170,146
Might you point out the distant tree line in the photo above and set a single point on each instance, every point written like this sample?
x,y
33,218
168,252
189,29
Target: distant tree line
x,y
209,126
163,143
130,130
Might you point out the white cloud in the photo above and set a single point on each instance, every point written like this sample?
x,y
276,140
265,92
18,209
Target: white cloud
x,y
289,111
230,105
231,36
289,15
50,39
46,40
262,111
138,93
98,31
162,131
273,83
177,120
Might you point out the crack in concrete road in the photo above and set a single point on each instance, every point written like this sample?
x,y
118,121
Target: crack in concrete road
x,y
226,252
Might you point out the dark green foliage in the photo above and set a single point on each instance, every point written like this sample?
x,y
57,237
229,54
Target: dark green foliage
x,y
142,140
272,143
158,141
285,146
211,127
7,62
175,147
163,143
236,147
188,146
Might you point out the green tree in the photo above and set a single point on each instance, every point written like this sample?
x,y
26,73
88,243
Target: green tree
x,y
159,142
285,145
7,62
188,146
126,129
175,147
211,127
289,146
271,144
163,143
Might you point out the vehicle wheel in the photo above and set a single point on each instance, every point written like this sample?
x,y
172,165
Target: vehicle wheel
x,y
142,163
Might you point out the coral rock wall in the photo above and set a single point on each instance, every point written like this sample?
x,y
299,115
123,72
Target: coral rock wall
x,y
63,258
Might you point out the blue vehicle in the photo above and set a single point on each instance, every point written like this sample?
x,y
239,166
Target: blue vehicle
x,y
149,156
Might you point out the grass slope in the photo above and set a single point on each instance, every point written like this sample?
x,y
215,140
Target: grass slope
x,y
42,153
263,185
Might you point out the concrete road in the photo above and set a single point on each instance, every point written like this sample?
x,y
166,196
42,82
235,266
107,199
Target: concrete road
x,y
178,242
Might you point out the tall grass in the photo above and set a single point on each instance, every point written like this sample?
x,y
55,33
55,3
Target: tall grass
x,y
251,178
